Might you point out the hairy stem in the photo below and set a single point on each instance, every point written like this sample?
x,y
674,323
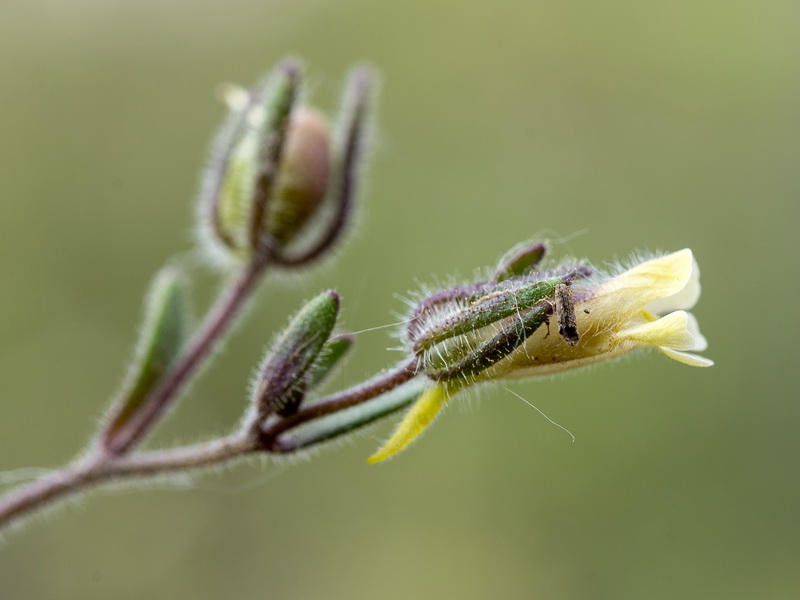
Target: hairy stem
x,y
96,468
356,395
217,322
109,460
88,471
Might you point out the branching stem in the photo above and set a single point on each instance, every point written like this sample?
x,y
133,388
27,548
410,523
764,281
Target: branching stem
x,y
109,459
217,322
95,468
114,452
380,384
88,471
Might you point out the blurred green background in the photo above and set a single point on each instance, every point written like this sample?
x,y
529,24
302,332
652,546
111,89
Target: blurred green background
x,y
616,125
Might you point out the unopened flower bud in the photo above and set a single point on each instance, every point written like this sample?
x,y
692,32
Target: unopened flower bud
x,y
241,177
347,157
289,366
520,261
275,170
303,175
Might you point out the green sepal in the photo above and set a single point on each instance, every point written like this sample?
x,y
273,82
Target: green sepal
x,y
162,337
351,138
329,358
520,261
254,158
236,192
472,362
285,371
493,306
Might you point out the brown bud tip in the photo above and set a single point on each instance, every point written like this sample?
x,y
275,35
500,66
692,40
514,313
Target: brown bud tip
x,y
304,174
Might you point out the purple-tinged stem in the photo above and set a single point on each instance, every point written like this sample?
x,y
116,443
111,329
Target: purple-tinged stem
x,y
35,495
91,470
96,468
217,322
354,396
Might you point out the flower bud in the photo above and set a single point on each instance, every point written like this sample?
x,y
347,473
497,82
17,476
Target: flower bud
x,y
303,175
240,179
352,130
277,187
286,370
520,261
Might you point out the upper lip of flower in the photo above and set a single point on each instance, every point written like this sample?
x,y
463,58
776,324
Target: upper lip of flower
x,y
648,304
659,285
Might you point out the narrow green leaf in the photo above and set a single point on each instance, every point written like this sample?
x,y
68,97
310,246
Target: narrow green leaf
x,y
161,339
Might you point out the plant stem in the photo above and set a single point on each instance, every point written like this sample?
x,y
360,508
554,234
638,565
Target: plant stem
x,y
161,462
359,394
88,471
96,468
217,322
109,459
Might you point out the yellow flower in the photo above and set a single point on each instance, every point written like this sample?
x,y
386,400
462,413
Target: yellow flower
x,y
644,306
620,315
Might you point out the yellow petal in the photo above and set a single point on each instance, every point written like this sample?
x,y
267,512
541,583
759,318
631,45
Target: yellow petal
x,y
700,342
685,299
671,331
645,285
414,423
688,359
